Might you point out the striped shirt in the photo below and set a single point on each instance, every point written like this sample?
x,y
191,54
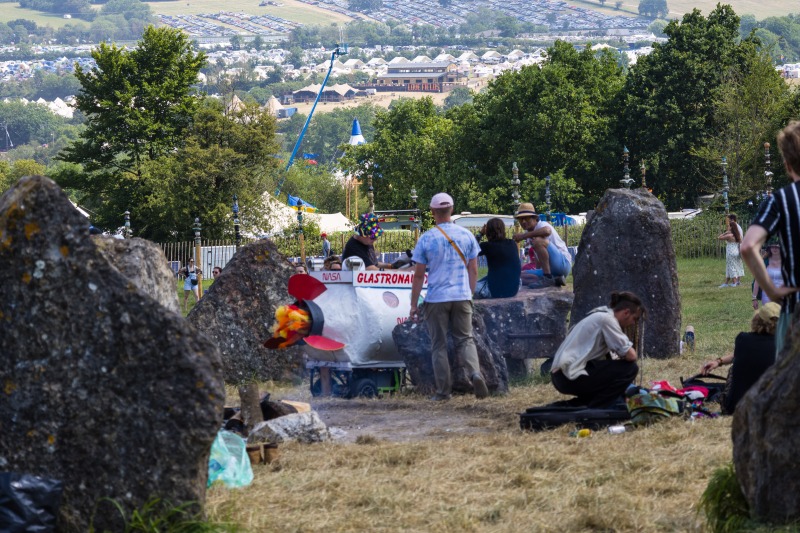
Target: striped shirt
x,y
780,214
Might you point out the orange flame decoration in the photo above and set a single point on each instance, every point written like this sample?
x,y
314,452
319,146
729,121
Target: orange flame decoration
x,y
291,325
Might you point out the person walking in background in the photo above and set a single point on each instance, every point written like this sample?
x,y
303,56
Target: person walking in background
x,y
773,263
326,245
450,254
779,215
734,268
552,254
502,257
190,280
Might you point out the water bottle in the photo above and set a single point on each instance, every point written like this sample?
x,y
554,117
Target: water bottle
x,y
616,430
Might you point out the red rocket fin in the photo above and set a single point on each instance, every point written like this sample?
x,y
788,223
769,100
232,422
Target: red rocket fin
x,y
323,343
305,287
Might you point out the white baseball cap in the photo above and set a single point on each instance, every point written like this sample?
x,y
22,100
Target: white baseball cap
x,y
441,199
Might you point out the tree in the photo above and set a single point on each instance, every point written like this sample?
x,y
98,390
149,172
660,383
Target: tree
x,y
414,147
458,96
138,103
561,116
753,104
653,8
666,116
364,5
28,123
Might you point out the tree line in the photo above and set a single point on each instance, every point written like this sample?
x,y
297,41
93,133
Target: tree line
x,y
154,146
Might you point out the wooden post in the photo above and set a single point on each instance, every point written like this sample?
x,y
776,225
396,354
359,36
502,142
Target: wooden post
x,y
325,380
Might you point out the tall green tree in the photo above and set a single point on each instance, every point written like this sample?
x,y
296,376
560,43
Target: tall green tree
x,y
669,101
561,116
138,103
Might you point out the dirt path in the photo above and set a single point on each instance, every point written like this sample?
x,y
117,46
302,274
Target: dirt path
x,y
410,420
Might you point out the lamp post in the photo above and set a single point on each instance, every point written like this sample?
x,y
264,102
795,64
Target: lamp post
x,y
237,235
644,171
725,183
300,231
626,180
416,213
767,169
547,195
515,187
127,230
370,192
198,255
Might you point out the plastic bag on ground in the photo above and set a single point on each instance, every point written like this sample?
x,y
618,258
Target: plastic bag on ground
x,y
28,503
229,462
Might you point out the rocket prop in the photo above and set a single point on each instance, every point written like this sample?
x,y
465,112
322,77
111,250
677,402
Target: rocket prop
x,y
345,319
302,320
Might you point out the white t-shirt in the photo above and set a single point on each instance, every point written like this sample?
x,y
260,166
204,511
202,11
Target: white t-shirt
x,y
555,239
592,338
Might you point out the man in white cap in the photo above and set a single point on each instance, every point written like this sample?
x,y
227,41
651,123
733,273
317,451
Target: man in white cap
x,y
552,253
450,254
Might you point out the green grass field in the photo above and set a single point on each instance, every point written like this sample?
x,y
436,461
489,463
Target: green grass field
x,y
12,11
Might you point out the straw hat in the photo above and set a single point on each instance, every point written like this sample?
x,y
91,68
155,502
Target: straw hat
x,y
769,311
525,210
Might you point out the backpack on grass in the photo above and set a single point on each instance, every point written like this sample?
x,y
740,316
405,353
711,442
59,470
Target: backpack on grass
x,y
647,407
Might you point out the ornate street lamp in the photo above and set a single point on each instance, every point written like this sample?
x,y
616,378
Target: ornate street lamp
x,y
547,195
127,230
300,231
515,188
644,171
237,235
725,183
767,169
626,180
198,254
416,213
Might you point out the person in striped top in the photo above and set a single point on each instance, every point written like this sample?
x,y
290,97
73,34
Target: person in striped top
x,y
779,214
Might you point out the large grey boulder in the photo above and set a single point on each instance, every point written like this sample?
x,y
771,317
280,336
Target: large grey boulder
x,y
627,246
238,310
301,427
103,388
765,433
145,264
530,325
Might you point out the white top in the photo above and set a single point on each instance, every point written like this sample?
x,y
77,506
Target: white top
x,y
591,338
556,239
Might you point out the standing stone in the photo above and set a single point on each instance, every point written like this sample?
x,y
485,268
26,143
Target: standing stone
x,y
145,264
238,310
103,388
530,325
627,246
765,435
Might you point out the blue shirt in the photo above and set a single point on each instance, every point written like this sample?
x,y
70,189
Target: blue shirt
x,y
448,280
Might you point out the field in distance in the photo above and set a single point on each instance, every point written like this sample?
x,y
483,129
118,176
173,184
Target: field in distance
x,y
288,9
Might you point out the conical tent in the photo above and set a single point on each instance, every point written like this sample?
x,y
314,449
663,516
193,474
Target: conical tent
x,y
355,136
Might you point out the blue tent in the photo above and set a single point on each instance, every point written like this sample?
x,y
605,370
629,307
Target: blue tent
x,y
558,219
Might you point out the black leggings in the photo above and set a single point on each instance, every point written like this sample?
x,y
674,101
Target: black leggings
x,y
605,384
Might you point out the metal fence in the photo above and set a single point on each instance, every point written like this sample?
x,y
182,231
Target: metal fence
x,y
693,238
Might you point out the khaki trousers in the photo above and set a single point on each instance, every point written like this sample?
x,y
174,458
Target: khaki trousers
x,y
457,318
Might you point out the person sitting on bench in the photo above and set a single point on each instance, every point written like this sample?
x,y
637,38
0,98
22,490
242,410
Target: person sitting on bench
x,y
597,362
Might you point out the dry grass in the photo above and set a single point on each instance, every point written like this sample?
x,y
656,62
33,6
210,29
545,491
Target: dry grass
x,y
468,467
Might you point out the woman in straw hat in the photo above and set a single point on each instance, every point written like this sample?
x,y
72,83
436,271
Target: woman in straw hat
x,y
753,353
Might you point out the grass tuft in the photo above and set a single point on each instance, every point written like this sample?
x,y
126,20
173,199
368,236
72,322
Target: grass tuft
x,y
723,502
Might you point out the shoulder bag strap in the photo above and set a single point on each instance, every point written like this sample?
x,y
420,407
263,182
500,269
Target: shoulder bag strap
x,y
460,253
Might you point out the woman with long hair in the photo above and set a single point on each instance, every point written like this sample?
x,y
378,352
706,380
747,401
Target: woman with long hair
x,y
734,268
502,257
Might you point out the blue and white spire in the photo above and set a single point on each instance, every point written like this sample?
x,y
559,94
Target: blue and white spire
x,y
355,136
